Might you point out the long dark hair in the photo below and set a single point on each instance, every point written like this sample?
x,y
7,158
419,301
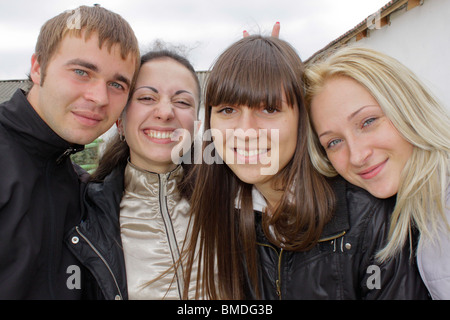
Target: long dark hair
x,y
117,152
253,72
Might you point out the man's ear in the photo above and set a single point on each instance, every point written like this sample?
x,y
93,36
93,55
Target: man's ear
x,y
35,72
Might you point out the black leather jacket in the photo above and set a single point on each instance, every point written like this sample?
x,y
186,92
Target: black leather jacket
x,y
342,264
39,200
96,241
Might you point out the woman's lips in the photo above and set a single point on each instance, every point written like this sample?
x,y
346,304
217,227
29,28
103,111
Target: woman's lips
x,y
372,171
159,136
249,156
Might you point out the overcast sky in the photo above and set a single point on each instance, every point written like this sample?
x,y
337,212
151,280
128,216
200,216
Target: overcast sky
x,y
201,28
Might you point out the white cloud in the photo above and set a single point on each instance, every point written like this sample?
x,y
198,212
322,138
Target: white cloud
x,y
207,26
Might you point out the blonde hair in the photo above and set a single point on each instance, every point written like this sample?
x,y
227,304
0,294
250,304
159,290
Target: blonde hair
x,y
110,27
418,117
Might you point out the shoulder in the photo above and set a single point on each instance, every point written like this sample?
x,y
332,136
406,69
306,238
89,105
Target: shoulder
x,y
13,159
106,192
433,258
366,214
364,207
82,174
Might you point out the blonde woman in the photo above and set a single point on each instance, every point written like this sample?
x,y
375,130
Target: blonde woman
x,y
375,124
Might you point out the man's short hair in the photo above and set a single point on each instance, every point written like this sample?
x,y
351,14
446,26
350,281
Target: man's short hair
x,y
111,29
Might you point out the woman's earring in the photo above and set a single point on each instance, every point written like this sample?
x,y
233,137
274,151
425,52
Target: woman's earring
x,y
120,129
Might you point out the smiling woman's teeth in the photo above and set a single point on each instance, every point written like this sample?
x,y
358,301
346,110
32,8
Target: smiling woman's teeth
x,y
159,134
250,153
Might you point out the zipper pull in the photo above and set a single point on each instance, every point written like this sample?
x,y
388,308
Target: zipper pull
x,y
67,153
277,283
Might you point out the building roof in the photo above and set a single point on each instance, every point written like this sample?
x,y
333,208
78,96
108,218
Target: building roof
x,y
381,17
8,87
377,20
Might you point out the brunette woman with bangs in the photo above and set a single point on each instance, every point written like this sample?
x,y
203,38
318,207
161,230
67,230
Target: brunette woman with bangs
x,y
266,224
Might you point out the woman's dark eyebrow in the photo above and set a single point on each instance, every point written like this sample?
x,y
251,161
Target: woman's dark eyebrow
x,y
156,91
183,91
147,87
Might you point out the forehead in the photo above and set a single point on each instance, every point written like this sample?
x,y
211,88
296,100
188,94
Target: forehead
x,y
78,46
341,102
339,94
166,73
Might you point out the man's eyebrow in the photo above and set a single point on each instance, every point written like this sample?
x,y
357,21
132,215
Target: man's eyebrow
x,y
83,63
123,79
94,68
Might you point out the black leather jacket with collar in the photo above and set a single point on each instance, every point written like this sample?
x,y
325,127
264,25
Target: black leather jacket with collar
x,y
96,241
39,201
342,265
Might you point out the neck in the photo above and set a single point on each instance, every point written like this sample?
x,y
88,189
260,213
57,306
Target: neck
x,y
272,196
155,168
32,98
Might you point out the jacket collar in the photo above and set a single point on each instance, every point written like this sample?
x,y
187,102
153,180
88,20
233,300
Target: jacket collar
x,y
339,223
108,192
19,117
146,184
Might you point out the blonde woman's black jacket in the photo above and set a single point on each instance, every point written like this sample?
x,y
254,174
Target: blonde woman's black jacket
x,y
342,265
39,201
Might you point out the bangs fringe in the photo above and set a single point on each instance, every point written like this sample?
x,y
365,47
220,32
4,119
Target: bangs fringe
x,y
236,79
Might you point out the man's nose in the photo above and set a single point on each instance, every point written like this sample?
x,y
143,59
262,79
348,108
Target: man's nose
x,y
98,93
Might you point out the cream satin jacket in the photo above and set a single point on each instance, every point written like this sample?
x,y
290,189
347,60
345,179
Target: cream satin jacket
x,y
153,220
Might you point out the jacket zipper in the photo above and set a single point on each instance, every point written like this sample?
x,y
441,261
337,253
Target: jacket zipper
x,y
332,237
67,153
52,240
278,281
48,168
170,232
279,255
102,258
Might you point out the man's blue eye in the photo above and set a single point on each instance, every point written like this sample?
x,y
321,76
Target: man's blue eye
x,y
116,85
80,72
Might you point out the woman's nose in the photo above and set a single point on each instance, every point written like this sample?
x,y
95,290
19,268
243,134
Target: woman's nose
x,y
163,110
246,131
360,151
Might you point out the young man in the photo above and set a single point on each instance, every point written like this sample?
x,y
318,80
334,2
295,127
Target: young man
x,y
83,68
